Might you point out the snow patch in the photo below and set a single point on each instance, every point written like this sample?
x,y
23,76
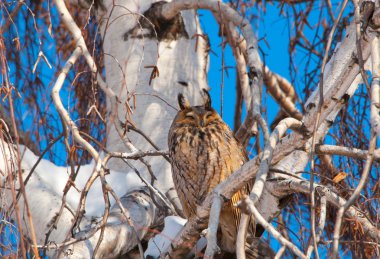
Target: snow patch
x,y
161,242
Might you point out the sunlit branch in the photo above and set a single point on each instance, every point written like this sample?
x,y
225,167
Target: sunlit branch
x,y
212,230
346,151
244,221
283,92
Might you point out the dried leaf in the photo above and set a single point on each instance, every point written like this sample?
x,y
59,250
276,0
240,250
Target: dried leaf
x,y
339,177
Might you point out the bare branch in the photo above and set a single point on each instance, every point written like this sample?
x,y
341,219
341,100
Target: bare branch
x,y
280,252
346,151
283,92
241,236
372,144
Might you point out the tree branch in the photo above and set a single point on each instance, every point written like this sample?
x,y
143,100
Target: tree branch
x,y
283,92
346,151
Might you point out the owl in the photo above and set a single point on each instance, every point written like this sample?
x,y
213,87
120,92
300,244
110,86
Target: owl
x,y
203,153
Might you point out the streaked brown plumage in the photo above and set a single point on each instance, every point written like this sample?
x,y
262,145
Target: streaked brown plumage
x,y
203,153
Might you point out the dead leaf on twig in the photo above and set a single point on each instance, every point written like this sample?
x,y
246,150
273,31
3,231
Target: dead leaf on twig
x,y
339,177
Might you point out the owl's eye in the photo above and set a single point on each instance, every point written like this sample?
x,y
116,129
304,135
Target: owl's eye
x,y
208,115
190,115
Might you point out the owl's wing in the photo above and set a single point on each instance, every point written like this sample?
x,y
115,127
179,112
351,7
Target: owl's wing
x,y
238,196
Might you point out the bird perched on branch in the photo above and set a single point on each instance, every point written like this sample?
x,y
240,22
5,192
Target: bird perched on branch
x,y
204,152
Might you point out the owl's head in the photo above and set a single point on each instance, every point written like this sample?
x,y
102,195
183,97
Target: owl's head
x,y
198,116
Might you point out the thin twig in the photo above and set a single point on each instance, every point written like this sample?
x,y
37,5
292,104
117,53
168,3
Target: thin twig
x,y
303,186
372,144
18,161
81,49
321,225
51,143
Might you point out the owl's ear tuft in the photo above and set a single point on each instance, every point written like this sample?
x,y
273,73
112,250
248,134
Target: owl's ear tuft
x,y
183,102
207,99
